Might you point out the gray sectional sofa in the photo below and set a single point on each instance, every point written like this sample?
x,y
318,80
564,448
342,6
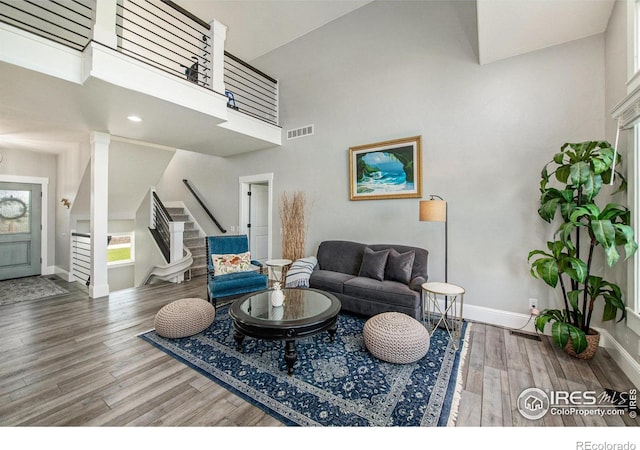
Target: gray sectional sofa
x,y
371,279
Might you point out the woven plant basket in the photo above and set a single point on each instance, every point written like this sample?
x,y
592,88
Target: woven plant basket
x,y
593,339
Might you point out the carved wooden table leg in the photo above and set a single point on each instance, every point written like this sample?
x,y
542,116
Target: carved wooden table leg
x,y
290,355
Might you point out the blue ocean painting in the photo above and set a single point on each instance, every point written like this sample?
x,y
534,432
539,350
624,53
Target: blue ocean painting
x,y
382,172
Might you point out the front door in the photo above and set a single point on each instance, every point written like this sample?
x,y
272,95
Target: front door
x,y
259,219
19,230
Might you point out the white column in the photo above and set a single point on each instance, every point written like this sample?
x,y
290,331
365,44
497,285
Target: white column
x,y
218,37
104,27
99,286
176,235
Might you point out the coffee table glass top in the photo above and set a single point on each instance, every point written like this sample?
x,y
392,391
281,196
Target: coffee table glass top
x,y
299,304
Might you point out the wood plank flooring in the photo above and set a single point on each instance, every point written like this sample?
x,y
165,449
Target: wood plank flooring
x,y
71,360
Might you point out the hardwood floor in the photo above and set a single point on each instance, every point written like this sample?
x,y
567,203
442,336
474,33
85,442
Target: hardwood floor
x,y
73,361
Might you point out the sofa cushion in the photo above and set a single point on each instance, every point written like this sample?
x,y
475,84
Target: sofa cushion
x,y
341,256
390,292
373,264
419,262
399,266
327,280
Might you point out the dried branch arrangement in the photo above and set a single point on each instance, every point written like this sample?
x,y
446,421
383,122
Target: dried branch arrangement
x,y
293,215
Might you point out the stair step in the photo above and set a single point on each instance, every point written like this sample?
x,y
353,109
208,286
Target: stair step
x,y
190,234
198,251
194,242
189,226
175,210
180,217
199,260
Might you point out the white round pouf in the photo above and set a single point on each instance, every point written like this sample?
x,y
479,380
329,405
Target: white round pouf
x,y
396,338
184,317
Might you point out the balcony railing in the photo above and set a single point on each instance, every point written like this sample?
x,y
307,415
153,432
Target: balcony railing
x,y
158,34
67,22
161,34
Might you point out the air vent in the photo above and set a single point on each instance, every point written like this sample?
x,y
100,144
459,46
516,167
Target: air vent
x,y
296,133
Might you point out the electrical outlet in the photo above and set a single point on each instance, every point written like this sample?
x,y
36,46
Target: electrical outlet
x,y
533,303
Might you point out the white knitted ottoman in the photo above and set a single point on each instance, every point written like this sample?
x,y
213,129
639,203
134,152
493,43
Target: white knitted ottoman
x,y
184,317
396,338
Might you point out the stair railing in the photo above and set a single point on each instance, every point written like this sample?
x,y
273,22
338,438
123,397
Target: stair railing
x,y
186,182
168,235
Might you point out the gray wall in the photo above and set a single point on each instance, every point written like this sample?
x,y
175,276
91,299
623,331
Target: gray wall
x,y
42,165
397,69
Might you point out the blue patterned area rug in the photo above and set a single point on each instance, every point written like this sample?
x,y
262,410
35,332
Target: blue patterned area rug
x,y
334,384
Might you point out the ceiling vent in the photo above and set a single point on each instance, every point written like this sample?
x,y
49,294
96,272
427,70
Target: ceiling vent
x,y
296,133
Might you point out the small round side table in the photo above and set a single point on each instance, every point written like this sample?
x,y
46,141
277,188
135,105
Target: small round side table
x,y
445,312
278,268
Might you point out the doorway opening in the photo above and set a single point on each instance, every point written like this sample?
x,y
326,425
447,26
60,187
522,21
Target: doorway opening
x,y
256,214
25,250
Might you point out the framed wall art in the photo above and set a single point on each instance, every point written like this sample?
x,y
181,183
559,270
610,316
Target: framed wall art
x,y
386,170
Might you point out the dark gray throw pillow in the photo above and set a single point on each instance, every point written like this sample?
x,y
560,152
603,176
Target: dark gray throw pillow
x,y
399,266
373,264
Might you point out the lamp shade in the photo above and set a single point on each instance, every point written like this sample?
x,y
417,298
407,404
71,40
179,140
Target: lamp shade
x,y
433,211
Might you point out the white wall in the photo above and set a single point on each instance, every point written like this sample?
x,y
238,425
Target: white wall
x,y
397,69
616,90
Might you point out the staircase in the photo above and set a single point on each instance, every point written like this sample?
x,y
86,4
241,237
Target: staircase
x,y
193,239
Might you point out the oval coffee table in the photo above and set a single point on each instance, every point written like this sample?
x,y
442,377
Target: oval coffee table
x,y
305,312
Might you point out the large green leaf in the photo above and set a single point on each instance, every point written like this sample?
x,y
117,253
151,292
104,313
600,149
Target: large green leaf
x,y
625,236
573,297
580,268
578,339
562,173
558,157
547,269
613,304
592,185
604,232
548,209
580,172
560,333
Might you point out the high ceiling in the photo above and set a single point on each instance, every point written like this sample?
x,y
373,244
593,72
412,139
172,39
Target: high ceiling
x,y
257,27
506,28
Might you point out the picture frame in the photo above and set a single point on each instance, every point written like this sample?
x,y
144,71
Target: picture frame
x,y
386,170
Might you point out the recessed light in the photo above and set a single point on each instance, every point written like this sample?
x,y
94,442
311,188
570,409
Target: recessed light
x,y
134,119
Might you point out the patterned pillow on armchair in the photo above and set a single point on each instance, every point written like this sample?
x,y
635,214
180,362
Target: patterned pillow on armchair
x,y
231,263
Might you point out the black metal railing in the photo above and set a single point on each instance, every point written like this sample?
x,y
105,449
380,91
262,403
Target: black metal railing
x,y
67,22
162,36
159,33
250,90
206,210
81,257
160,226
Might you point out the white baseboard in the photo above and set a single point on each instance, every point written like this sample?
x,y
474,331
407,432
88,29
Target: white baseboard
x,y
66,276
507,319
498,317
627,363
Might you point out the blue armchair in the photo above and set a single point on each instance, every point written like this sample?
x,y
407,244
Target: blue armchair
x,y
231,284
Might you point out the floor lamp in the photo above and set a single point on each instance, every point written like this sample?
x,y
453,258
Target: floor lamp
x,y
435,210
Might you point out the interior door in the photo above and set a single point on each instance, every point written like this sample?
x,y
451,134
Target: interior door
x,y
20,214
259,219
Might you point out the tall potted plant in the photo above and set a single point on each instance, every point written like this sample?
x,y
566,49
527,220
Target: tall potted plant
x,y
570,184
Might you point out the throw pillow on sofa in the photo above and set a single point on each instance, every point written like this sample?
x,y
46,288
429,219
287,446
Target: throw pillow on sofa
x,y
373,264
399,266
